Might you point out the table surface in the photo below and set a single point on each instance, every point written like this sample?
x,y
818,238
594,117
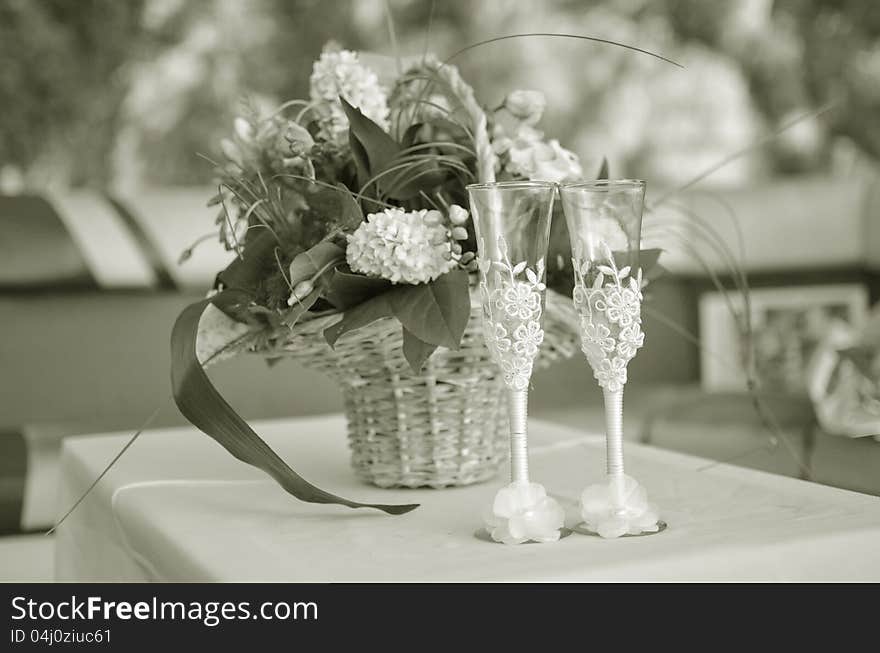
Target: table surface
x,y
176,507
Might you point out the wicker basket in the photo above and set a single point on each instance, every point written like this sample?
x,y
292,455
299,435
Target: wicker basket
x,y
444,426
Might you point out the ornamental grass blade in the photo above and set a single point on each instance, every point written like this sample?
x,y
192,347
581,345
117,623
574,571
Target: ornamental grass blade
x,y
202,405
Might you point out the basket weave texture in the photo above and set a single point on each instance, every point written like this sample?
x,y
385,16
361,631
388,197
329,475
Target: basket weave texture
x,y
446,425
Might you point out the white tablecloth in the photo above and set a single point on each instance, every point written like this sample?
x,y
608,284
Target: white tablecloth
x,y
178,508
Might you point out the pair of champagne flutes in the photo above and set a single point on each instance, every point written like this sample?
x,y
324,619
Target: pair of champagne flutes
x,y
512,224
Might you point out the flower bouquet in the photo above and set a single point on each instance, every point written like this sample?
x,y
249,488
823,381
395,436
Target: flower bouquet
x,y
355,257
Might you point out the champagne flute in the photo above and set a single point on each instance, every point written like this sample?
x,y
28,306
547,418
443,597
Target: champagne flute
x,y
512,224
604,220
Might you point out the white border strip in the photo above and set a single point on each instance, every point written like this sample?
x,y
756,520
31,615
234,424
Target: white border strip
x,y
111,252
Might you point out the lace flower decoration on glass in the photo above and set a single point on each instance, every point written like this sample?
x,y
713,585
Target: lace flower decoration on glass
x,y
608,301
512,308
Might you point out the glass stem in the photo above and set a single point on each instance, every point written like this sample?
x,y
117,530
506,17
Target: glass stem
x,y
517,407
614,442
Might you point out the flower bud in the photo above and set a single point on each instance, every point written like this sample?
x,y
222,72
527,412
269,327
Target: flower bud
x,y
527,106
467,257
459,233
457,215
301,141
300,291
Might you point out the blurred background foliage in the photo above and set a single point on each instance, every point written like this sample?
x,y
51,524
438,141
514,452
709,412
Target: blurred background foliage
x,y
111,93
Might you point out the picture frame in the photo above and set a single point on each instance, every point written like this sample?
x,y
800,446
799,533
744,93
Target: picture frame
x,y
788,322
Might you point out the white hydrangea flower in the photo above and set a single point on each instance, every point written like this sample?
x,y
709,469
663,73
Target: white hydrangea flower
x,y
403,247
338,73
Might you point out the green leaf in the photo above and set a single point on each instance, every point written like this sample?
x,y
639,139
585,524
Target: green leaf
x,y
361,161
237,305
654,272
347,289
376,151
272,318
409,136
437,312
306,264
202,405
416,351
380,149
291,316
647,259
359,316
649,262
351,215
256,263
